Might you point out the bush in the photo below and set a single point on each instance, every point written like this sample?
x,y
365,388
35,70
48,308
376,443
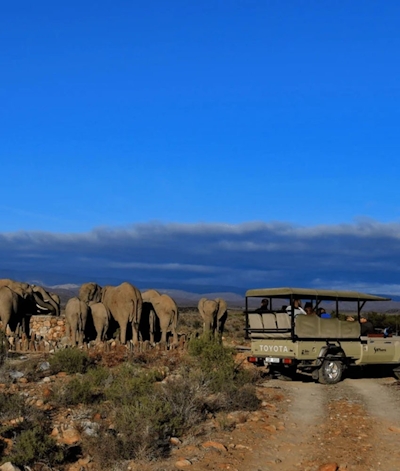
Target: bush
x,y
231,387
130,382
87,389
35,445
70,360
215,361
11,406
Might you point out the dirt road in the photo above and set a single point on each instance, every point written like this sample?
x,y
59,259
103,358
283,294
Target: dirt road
x,y
305,426
354,424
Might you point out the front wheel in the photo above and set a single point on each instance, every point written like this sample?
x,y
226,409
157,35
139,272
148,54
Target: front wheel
x,y
331,371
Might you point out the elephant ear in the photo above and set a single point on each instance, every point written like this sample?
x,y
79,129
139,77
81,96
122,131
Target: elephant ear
x,y
200,305
222,307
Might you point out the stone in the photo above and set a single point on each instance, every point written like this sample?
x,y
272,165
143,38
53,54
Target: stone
x,y
270,428
215,445
394,429
9,467
70,436
175,441
181,464
328,467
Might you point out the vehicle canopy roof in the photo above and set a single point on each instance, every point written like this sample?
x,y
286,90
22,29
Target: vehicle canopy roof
x,y
307,293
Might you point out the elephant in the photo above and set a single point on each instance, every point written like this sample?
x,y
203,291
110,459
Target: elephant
x,y
166,314
11,309
101,318
90,292
45,301
76,313
25,303
124,303
214,314
17,286
56,298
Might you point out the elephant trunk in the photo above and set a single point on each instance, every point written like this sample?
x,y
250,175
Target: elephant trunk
x,y
46,305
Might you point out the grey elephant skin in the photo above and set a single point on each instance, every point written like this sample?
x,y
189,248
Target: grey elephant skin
x,y
76,313
214,313
90,293
26,301
12,307
160,313
123,303
101,320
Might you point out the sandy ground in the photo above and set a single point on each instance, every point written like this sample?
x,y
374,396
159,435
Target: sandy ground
x,y
352,426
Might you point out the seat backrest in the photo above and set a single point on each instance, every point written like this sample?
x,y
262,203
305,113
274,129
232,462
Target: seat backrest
x,y
269,320
283,320
256,326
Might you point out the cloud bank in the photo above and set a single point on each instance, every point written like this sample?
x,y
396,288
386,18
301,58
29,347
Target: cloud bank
x,y
198,257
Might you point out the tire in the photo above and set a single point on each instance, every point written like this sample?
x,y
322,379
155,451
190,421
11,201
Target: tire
x,y
396,372
331,370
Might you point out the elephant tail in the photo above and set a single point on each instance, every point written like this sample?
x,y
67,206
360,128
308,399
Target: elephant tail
x,y
136,311
173,322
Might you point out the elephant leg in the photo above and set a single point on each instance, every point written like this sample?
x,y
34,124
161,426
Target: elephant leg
x,y
122,329
152,323
135,333
164,324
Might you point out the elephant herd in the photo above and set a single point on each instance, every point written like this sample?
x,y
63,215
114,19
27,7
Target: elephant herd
x,y
150,314
18,301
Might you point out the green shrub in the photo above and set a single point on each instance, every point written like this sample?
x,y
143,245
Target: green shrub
x,y
85,389
11,406
70,360
130,382
35,445
215,361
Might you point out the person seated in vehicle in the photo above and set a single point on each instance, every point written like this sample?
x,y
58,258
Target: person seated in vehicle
x,y
264,306
322,313
366,326
297,309
308,307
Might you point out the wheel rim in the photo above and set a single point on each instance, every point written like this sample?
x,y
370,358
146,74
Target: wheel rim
x,y
332,370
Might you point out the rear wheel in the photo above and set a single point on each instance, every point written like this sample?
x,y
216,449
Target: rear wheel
x,y
396,372
331,370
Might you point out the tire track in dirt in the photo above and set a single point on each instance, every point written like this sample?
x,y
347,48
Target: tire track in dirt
x,y
289,450
355,423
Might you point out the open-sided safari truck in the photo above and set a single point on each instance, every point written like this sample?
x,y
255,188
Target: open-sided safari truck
x,y
287,343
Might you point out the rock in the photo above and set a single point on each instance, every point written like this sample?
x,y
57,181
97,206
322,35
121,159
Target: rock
x,y
16,374
394,429
329,467
70,436
45,365
175,441
183,464
270,428
215,445
9,467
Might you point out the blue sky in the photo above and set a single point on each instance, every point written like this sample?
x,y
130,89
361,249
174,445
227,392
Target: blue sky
x,y
134,117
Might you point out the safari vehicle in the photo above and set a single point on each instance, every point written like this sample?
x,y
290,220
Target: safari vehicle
x,y
289,343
